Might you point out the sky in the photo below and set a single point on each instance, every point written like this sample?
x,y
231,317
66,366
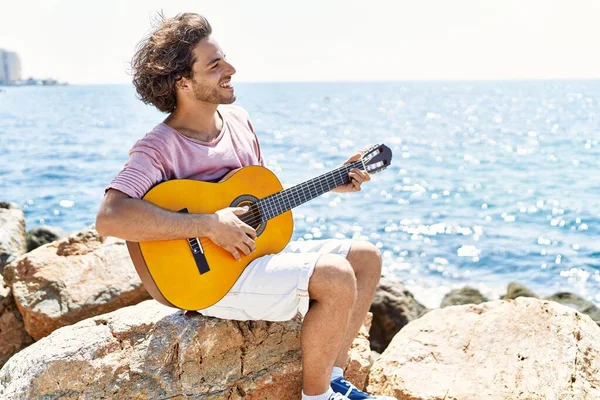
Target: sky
x,y
319,40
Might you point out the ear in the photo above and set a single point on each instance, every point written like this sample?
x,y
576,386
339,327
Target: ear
x,y
183,84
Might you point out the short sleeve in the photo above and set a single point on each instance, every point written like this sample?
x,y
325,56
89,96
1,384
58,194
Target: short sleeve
x,y
261,160
143,170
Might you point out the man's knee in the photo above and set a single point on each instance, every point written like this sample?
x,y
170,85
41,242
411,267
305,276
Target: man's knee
x,y
333,280
366,259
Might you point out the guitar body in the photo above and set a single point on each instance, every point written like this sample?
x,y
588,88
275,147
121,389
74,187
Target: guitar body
x,y
178,273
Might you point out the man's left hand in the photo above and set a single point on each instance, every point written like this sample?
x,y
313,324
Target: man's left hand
x,y
357,177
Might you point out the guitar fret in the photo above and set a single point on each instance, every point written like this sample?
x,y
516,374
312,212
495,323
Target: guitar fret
x,y
294,200
321,184
331,184
270,208
274,206
290,198
285,200
302,193
305,196
279,205
341,177
266,212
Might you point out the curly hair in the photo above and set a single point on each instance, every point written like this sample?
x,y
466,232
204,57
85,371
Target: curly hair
x,y
165,56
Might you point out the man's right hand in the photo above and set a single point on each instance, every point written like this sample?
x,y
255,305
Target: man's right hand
x,y
231,233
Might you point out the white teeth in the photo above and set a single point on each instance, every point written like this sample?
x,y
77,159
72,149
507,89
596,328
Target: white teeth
x,y
225,85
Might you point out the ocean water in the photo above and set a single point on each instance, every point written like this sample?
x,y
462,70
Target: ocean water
x,y
491,182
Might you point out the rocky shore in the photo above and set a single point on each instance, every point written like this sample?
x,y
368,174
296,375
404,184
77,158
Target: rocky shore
x,y
76,323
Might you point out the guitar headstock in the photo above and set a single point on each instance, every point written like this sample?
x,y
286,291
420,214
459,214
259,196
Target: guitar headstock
x,y
377,158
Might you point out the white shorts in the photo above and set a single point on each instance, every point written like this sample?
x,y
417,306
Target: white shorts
x,y
275,287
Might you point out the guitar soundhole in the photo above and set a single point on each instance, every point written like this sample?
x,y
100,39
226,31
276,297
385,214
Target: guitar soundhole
x,y
253,217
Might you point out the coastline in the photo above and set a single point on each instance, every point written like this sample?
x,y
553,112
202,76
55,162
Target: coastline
x,y
486,186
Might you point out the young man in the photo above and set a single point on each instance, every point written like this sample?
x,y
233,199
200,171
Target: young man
x,y
181,70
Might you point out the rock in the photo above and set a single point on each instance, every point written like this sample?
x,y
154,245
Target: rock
x,y
69,280
515,290
374,356
12,233
466,295
12,333
41,235
393,307
579,303
513,349
149,351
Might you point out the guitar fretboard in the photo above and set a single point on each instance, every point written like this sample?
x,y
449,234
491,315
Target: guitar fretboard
x,y
280,202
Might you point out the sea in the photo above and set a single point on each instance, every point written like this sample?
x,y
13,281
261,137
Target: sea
x,y
490,182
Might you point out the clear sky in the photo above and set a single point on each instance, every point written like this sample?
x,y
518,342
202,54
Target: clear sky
x,y
81,41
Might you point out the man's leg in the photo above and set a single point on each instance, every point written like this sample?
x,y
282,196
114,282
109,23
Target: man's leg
x,y
332,288
365,260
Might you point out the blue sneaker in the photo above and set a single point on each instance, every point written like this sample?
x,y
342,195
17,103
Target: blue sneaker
x,y
342,386
337,396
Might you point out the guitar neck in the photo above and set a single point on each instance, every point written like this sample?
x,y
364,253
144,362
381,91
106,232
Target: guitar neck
x,y
283,201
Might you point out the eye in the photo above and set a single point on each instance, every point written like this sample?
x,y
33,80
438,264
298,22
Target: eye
x,y
215,66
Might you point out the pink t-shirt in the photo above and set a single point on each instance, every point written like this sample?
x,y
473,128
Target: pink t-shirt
x,y
165,154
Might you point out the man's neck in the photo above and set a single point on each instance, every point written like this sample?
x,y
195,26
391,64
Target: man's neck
x,y
200,121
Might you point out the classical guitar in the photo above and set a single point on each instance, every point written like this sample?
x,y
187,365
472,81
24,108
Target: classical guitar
x,y
195,273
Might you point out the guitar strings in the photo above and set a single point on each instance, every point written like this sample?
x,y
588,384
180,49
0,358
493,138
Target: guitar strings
x,y
275,206
207,243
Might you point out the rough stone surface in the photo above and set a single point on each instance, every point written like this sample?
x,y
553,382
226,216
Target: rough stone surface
x,y
12,233
69,280
149,351
42,235
466,295
523,349
579,303
515,290
393,307
12,332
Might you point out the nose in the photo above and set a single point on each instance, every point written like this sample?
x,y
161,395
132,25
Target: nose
x,y
231,68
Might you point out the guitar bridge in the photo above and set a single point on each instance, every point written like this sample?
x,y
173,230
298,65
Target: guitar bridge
x,y
196,246
197,252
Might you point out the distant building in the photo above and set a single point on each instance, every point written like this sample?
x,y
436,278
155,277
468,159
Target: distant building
x,y
10,67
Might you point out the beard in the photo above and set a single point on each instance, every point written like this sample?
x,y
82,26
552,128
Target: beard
x,y
213,95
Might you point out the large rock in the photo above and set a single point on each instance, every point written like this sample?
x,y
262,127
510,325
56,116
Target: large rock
x,y
12,333
42,235
515,290
12,233
513,349
577,302
149,351
69,280
393,307
465,295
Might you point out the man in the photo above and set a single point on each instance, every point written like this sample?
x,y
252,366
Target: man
x,y
181,70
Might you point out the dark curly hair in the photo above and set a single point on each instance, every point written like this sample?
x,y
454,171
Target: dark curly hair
x,y
165,56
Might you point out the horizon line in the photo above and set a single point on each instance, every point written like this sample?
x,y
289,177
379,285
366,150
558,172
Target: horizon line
x,y
528,79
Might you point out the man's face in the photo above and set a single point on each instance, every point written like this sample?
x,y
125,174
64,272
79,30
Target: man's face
x,y
211,74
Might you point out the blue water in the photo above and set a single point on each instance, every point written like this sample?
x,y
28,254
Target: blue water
x,y
491,182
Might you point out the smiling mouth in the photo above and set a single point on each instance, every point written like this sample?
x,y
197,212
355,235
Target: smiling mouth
x,y
226,85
